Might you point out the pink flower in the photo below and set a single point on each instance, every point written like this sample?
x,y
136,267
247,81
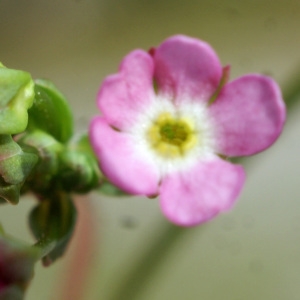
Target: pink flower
x,y
160,133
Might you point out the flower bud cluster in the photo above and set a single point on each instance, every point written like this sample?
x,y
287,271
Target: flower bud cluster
x,y
36,149
38,154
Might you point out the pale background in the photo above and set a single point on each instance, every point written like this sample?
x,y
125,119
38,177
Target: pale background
x,y
251,253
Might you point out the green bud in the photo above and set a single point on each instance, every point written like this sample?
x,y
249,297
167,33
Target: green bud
x,y
48,149
16,97
51,112
15,167
79,168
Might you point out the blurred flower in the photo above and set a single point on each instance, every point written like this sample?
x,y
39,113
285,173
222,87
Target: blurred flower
x,y
168,119
16,267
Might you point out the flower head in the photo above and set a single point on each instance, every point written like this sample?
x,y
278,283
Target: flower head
x,y
168,119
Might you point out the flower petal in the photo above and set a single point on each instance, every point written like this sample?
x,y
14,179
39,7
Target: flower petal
x,y
127,92
193,197
249,115
120,160
187,68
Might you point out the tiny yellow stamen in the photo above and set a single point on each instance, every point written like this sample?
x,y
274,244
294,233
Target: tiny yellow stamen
x,y
172,137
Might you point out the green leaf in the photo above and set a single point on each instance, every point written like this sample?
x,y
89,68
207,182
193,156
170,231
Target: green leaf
x,y
51,112
16,97
52,223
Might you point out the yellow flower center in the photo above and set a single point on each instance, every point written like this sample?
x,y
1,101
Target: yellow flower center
x,y
172,137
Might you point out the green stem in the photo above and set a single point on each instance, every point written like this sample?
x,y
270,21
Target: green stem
x,y
162,244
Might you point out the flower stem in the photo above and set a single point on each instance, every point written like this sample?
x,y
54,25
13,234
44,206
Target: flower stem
x,y
162,244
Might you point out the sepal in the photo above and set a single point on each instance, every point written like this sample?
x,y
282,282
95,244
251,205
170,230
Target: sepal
x,y
51,112
52,223
48,149
79,167
15,167
107,188
16,97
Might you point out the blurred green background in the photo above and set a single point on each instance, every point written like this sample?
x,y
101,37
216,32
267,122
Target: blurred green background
x,y
251,253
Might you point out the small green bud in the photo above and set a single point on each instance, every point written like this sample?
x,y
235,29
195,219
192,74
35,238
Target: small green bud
x,y
15,167
48,149
79,170
15,164
16,97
